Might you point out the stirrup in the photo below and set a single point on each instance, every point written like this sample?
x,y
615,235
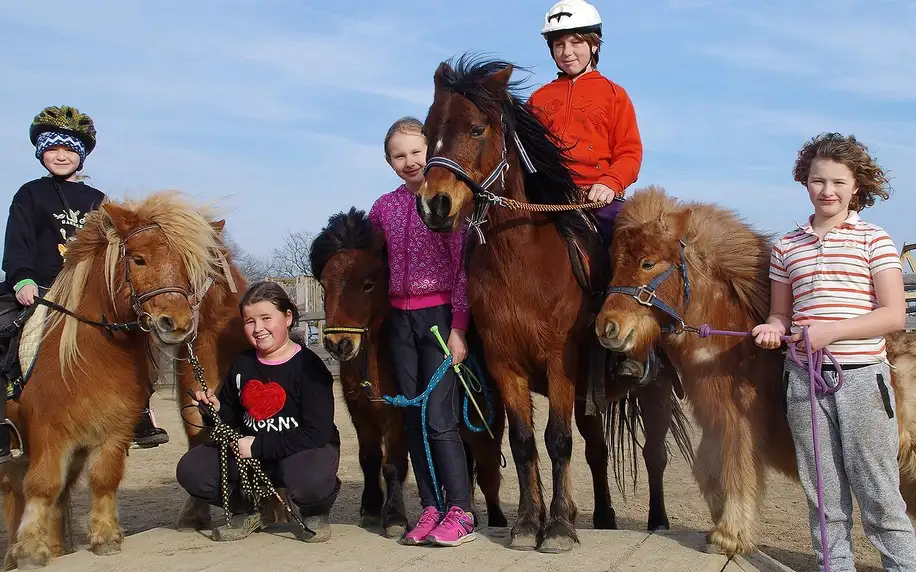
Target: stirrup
x,y
7,457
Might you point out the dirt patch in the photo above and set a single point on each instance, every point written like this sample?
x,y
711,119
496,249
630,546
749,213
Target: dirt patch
x,y
149,496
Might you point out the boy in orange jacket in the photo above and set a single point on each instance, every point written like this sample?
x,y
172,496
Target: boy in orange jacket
x,y
592,115
594,118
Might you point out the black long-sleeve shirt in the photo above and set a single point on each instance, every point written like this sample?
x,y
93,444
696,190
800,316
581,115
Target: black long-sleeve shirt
x,y
39,225
286,407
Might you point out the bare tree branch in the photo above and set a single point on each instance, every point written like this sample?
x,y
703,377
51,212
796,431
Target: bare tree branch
x,y
252,267
292,259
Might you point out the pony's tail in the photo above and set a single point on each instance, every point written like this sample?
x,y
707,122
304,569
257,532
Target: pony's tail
x,y
625,420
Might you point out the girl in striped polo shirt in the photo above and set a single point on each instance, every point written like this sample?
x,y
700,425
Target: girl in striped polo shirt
x,y
842,277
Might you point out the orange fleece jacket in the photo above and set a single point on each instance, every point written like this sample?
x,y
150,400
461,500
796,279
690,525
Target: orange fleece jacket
x,y
595,118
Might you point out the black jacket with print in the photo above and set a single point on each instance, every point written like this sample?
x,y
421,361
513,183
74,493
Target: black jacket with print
x,y
39,225
287,407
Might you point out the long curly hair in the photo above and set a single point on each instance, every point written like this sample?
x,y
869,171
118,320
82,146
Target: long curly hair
x,y
872,180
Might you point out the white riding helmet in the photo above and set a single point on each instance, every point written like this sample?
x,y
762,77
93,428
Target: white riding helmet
x,y
572,16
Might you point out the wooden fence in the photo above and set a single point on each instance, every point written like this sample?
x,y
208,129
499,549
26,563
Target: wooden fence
x,y
306,294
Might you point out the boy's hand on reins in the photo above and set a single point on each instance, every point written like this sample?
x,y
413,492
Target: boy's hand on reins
x,y
600,192
209,397
26,294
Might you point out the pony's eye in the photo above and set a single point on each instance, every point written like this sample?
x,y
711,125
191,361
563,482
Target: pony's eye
x,y
478,130
648,265
368,285
138,260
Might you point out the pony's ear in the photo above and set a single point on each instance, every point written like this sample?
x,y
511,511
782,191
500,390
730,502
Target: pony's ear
x,y
680,222
218,226
124,220
440,71
498,82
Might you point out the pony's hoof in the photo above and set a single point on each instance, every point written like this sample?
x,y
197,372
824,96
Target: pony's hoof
x,y
605,519
525,535
657,523
729,544
192,524
31,555
559,537
370,521
106,548
395,530
106,543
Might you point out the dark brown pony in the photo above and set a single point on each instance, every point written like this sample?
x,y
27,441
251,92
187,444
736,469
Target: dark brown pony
x,y
733,385
147,264
532,314
349,258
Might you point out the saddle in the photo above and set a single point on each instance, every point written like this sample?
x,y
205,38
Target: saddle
x,y
602,363
13,317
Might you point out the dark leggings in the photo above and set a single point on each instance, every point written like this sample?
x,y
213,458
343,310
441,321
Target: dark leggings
x,y
309,477
605,217
416,356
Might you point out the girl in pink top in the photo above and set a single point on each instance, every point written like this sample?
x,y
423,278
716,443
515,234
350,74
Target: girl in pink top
x,y
428,286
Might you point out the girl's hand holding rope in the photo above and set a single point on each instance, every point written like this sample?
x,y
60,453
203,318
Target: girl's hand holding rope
x,y
206,398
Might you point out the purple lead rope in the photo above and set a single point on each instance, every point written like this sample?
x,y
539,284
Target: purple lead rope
x,y
817,385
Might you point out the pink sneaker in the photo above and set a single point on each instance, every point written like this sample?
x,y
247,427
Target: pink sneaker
x,y
456,528
429,519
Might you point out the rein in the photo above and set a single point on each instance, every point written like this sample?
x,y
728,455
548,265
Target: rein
x,y
646,295
484,198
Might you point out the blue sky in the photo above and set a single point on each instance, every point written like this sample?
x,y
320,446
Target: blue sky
x,y
279,107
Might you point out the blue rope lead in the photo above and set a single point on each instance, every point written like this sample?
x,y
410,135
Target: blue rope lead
x,y
421,401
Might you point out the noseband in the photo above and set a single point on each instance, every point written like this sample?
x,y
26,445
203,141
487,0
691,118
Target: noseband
x,y
646,294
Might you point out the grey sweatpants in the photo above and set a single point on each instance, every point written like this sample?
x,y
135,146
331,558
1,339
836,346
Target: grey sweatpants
x,y
857,430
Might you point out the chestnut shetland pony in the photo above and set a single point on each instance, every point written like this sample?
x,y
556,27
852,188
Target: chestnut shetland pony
x,y
532,315
148,263
734,386
349,259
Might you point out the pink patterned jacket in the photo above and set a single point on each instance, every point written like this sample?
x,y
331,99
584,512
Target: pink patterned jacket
x,y
426,267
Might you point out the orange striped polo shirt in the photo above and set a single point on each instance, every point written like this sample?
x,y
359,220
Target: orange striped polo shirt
x,y
831,278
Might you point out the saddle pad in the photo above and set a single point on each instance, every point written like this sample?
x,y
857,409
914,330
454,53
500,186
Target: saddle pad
x,y
30,341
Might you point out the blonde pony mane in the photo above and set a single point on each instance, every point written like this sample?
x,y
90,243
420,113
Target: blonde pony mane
x,y
721,248
187,228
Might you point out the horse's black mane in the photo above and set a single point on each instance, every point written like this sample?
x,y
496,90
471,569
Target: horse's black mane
x,y
552,182
344,231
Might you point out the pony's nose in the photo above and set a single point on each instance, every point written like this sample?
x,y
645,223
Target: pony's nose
x,y
440,205
340,348
165,324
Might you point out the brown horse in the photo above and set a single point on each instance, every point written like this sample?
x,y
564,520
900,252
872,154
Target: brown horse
x,y
733,385
532,314
349,259
144,266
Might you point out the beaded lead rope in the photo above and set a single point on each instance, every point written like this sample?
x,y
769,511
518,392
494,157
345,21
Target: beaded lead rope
x,y
254,483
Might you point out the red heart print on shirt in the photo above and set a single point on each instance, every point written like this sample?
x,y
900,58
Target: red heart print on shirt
x,y
263,400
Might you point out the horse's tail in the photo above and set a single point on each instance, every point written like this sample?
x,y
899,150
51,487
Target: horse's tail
x,y
625,420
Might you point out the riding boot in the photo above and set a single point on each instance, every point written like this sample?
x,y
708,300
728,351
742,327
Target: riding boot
x,y
146,434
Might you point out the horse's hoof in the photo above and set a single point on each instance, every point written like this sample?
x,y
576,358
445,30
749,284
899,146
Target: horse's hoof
x,y
655,524
106,548
605,519
370,521
525,535
729,544
559,537
31,555
395,530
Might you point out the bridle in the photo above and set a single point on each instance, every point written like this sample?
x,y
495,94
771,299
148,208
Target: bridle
x,y
483,197
144,320
363,333
647,296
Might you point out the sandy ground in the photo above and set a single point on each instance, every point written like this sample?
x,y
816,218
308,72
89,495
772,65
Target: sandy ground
x,y
150,497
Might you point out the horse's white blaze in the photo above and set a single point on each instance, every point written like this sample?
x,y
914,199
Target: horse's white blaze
x,y
438,146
